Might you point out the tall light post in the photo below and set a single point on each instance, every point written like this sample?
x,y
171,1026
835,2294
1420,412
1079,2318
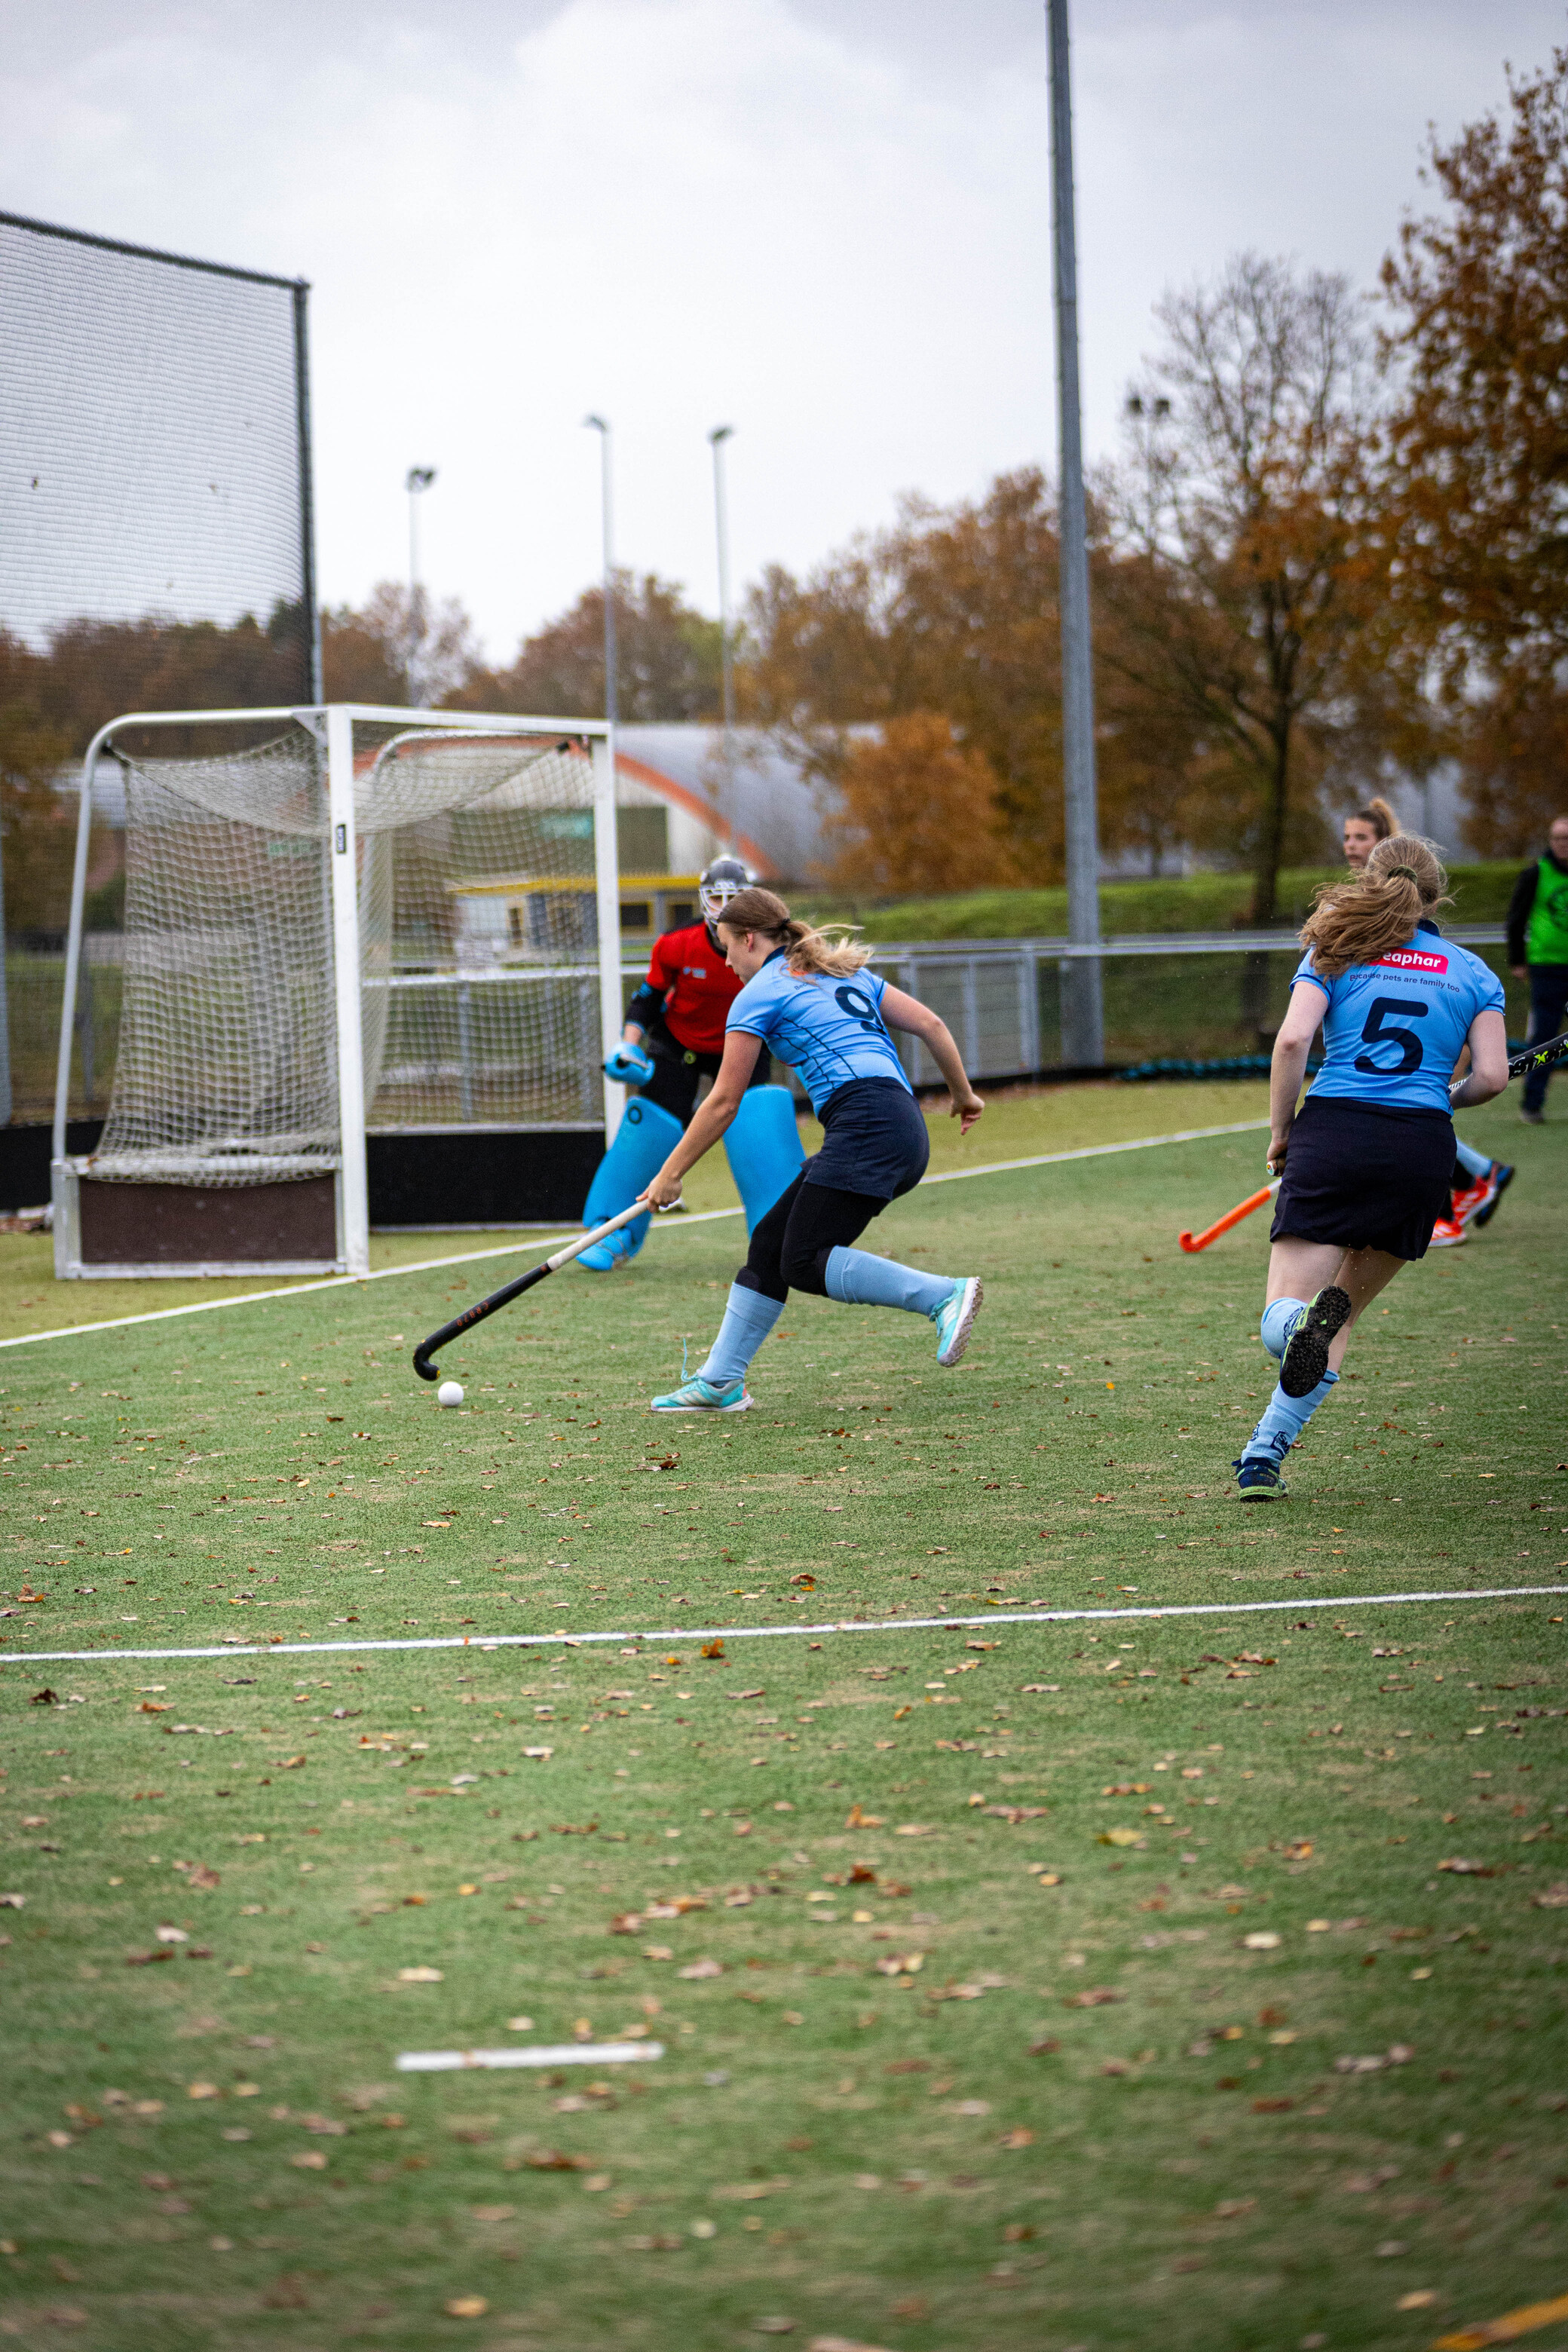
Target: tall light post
x,y
418,481
1083,1019
716,440
606,505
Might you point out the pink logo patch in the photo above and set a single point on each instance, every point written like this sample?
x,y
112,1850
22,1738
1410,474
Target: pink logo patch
x,y
1414,959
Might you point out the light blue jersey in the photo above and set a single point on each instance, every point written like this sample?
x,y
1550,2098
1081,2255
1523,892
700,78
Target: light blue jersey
x,y
1394,1029
829,1030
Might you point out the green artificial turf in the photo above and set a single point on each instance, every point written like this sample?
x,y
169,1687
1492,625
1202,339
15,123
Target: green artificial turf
x,y
1093,2114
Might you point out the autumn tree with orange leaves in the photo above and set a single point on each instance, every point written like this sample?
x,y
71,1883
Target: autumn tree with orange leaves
x,y
1476,480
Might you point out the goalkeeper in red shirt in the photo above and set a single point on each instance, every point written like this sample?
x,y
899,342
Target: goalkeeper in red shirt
x,y
672,1040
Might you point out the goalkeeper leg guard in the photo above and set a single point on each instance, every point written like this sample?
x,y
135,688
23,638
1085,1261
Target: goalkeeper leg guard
x,y
643,1141
763,1147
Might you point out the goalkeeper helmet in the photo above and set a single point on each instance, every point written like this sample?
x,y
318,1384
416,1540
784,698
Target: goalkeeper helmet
x,y
718,883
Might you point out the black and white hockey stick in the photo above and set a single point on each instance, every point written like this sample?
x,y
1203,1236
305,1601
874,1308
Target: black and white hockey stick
x,y
504,1297
1533,1057
1539,1057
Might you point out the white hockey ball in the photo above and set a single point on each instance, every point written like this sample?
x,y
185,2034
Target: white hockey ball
x,y
449,1392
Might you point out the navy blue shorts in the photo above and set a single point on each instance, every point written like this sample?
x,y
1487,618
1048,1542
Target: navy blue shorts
x,y
1365,1176
874,1140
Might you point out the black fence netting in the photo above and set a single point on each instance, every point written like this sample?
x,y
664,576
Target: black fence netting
x,y
155,553
154,460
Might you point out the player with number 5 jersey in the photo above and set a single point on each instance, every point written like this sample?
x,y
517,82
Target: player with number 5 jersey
x,y
1368,1160
808,998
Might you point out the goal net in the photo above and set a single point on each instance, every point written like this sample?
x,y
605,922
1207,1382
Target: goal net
x,y
473,925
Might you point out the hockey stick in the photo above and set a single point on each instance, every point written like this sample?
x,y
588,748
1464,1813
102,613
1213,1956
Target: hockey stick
x,y
1539,1057
1533,1057
511,1290
1191,1242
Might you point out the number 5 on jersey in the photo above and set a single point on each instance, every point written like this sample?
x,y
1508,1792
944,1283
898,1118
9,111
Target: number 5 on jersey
x,y
1378,1030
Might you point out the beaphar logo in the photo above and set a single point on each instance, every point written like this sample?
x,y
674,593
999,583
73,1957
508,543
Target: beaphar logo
x,y
1414,959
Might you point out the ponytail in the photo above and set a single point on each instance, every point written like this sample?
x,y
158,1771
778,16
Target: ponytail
x,y
1363,921
1379,816
807,951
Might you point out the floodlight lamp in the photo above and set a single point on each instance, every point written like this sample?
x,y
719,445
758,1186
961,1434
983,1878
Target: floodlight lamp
x,y
420,477
720,433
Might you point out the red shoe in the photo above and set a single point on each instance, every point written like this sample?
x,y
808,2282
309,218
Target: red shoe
x,y
1467,1198
1446,1232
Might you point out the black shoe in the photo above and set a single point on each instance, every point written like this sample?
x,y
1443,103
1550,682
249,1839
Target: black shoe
x,y
1502,1175
1258,1478
1306,1356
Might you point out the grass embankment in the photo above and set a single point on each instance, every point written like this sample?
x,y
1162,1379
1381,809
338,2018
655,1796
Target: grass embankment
x,y
1139,2092
1198,902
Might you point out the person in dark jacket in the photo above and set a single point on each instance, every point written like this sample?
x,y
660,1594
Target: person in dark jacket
x,y
1538,951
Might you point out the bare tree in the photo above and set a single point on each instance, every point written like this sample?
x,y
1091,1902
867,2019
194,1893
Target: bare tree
x,y
1245,496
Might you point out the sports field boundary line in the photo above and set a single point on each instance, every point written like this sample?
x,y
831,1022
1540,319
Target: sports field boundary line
x,y
558,1241
689,1633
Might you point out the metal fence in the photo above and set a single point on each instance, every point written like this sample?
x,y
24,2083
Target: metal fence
x,y
1173,994
1168,996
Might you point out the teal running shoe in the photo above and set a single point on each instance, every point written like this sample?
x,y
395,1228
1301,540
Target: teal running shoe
x,y
1306,1356
955,1318
698,1395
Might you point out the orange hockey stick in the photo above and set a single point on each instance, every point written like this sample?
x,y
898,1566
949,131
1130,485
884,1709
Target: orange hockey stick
x,y
1232,1217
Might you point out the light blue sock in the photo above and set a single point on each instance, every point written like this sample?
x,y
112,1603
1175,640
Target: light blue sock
x,y
1284,1419
1277,1317
1474,1163
749,1317
858,1279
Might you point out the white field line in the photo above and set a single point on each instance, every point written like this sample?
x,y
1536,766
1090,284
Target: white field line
x,y
565,2054
1039,1616
556,1241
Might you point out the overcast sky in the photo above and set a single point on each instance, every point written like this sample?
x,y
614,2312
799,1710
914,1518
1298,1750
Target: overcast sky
x,y
822,221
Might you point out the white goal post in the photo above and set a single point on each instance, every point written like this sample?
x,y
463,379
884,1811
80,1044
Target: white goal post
x,y
348,929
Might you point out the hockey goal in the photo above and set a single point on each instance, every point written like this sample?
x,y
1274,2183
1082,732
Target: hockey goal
x,y
365,950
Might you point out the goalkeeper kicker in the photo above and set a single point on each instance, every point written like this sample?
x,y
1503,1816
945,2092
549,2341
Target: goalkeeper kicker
x,y
808,997
673,1039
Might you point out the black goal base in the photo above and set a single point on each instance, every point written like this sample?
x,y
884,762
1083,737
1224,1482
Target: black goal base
x,y
425,1177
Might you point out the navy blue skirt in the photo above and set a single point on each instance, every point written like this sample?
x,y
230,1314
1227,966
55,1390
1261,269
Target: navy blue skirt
x,y
875,1141
1365,1176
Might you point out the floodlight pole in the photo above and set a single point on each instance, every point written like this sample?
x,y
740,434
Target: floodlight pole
x,y
607,523
607,845
717,438
1083,1022
419,480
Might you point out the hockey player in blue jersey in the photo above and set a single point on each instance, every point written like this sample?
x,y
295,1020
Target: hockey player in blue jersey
x,y
1368,1161
810,999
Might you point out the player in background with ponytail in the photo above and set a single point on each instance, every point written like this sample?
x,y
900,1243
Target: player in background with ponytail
x,y
807,997
1481,1181
1368,1160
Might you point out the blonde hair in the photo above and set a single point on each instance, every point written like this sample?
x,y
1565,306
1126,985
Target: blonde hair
x,y
1379,816
830,952
1362,920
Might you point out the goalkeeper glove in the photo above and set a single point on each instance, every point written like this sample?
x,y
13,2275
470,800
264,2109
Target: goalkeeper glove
x,y
630,1065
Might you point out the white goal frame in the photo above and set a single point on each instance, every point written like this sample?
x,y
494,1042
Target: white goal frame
x,y
332,723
